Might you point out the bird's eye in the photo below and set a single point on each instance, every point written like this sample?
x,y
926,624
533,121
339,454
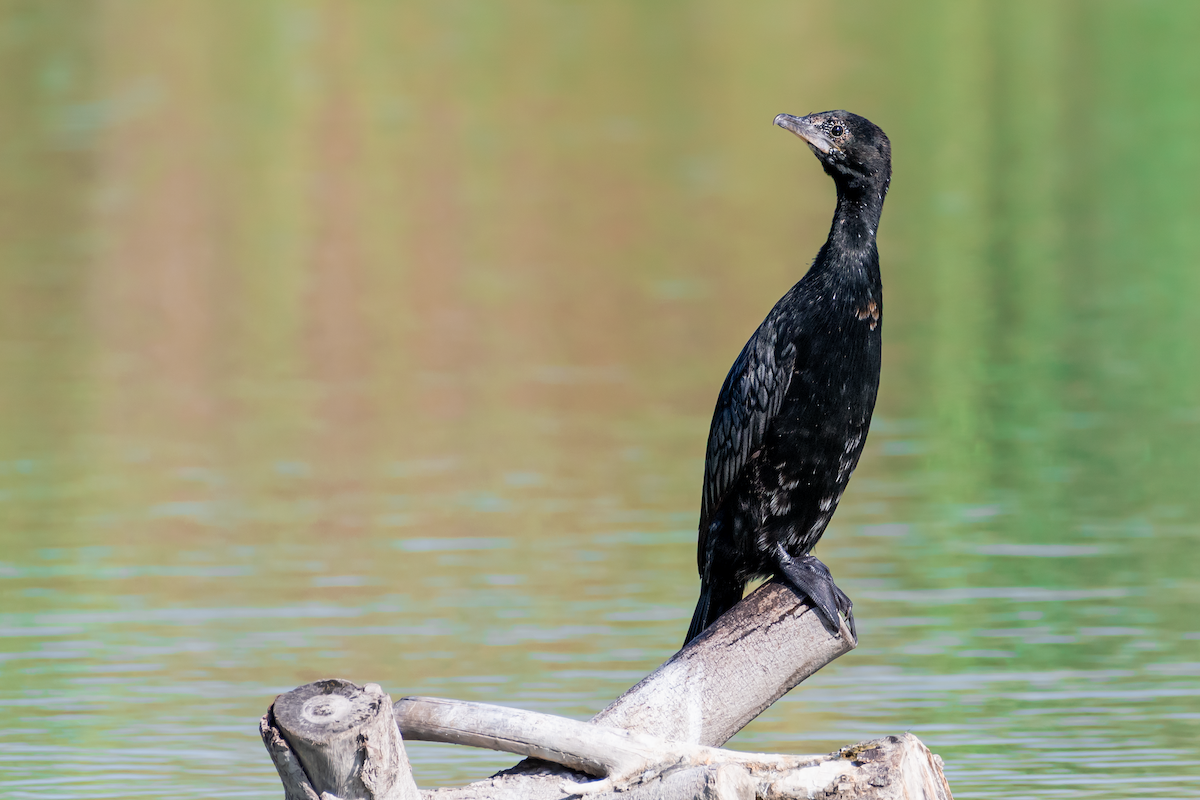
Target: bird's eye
x,y
836,130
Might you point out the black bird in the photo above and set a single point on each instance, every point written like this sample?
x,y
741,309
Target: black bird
x,y
793,413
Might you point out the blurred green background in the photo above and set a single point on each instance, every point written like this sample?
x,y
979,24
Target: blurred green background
x,y
379,340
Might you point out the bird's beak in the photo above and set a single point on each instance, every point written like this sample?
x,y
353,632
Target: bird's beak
x,y
809,129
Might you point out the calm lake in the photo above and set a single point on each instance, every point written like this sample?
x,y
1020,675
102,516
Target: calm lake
x,y
380,340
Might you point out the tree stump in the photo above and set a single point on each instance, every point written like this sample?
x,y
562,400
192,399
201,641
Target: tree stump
x,y
332,739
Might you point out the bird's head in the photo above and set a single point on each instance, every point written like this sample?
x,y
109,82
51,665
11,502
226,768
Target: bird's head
x,y
853,150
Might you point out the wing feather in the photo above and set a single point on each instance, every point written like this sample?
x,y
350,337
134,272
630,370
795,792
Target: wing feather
x,y
750,399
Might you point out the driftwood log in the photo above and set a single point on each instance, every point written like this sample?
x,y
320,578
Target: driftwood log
x,y
658,740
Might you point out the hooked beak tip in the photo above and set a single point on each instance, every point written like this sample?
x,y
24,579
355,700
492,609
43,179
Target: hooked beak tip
x,y
808,130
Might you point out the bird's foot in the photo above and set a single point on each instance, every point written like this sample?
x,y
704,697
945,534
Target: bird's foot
x,y
812,579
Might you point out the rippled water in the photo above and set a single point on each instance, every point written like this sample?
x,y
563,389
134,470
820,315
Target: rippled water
x,y
379,341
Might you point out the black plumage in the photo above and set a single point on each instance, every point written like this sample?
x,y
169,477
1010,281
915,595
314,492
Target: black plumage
x,y
793,413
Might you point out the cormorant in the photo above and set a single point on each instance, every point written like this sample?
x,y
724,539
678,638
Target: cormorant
x,y
793,413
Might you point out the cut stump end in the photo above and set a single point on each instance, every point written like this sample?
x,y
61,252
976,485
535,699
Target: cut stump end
x,y
334,738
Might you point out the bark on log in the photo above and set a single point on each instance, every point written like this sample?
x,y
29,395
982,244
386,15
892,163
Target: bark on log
x,y
745,661
331,739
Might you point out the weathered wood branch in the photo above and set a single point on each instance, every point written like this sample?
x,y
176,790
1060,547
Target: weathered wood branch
x,y
745,661
627,760
703,695
709,690
332,739
621,757
582,746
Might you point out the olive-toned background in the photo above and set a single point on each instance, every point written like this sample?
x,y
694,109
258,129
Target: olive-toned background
x,y
378,340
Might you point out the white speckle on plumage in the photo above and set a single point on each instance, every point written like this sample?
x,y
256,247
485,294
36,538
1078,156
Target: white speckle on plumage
x,y
845,467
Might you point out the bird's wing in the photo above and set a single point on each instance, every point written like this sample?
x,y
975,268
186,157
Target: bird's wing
x,y
750,398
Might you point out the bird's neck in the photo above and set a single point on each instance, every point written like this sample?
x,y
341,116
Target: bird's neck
x,y
849,257
856,220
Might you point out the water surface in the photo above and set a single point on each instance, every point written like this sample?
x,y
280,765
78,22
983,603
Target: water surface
x,y
379,341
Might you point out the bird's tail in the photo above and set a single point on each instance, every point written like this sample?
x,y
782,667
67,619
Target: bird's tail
x,y
717,595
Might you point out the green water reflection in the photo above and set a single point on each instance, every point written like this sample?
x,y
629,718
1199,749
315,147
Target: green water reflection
x,y
379,341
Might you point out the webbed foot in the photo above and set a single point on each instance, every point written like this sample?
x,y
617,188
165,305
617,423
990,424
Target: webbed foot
x,y
811,578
